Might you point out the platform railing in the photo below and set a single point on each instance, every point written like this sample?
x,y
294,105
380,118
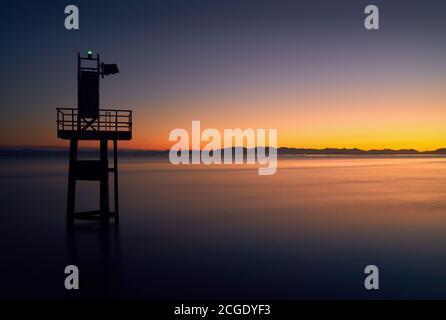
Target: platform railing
x,y
109,120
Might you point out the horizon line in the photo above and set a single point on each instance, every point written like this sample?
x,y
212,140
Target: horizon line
x,y
282,147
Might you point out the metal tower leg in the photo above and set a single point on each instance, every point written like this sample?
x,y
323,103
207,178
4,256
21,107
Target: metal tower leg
x,y
71,181
104,198
115,176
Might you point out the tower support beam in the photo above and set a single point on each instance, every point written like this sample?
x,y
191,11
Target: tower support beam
x,y
72,180
93,170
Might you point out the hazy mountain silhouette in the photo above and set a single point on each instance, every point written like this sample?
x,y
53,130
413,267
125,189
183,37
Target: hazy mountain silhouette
x,y
63,151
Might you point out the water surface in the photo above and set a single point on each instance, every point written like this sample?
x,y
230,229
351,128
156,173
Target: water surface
x,y
226,232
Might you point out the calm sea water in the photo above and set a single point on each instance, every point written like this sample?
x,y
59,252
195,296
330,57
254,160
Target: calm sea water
x,y
226,232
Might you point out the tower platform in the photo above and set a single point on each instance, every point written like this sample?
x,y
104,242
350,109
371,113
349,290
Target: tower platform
x,y
111,124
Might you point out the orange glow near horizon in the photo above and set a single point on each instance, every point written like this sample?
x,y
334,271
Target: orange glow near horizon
x,y
397,118
394,119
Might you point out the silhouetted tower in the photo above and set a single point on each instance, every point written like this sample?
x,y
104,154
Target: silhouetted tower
x,y
90,122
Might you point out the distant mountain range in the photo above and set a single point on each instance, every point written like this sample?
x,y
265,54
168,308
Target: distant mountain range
x,y
63,151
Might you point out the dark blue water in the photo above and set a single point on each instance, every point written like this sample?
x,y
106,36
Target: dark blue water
x,y
226,232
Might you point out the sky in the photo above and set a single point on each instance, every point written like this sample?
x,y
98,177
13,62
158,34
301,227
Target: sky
x,y
307,68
